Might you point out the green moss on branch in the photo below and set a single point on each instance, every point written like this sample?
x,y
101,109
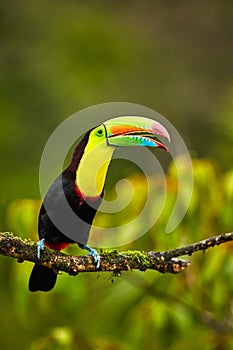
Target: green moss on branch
x,y
111,260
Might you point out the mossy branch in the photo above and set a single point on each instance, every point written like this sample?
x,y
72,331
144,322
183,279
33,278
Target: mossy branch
x,y
111,260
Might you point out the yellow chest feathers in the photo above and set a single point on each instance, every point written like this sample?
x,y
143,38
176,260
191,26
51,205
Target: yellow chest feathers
x,y
92,170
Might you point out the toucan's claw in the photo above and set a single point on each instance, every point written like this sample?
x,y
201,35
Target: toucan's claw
x,y
40,246
92,252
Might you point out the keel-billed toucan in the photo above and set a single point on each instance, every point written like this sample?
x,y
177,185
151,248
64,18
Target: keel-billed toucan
x,y
83,183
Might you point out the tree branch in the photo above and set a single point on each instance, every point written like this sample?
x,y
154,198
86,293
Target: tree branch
x,y
111,260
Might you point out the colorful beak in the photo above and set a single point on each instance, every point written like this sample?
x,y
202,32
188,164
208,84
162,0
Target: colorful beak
x,y
135,131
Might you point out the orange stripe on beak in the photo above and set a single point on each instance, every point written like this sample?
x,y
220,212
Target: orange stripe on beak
x,y
124,129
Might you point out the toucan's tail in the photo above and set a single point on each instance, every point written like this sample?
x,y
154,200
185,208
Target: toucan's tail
x,y
42,278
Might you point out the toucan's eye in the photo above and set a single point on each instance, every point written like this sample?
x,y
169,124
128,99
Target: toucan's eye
x,y
100,132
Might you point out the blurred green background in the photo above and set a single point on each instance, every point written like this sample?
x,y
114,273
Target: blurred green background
x,y
174,57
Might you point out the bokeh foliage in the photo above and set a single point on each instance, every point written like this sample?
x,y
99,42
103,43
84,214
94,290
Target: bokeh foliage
x,y
175,57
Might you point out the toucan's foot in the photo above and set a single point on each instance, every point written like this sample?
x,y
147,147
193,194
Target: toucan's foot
x,y
93,252
40,246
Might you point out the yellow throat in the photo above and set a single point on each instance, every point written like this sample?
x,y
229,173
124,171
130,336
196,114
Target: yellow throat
x,y
92,170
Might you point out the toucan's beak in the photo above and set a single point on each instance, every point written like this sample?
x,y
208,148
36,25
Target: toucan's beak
x,y
135,131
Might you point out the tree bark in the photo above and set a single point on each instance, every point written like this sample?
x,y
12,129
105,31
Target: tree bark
x,y
111,260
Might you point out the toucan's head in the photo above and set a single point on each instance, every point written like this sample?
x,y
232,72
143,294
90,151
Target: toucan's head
x,y
101,142
129,131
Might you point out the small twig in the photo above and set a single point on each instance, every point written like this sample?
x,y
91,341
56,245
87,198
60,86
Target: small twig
x,y
111,260
202,245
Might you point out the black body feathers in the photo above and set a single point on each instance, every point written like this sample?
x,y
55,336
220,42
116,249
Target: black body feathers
x,y
43,278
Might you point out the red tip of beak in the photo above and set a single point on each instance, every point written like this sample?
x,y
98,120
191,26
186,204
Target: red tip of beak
x,y
161,145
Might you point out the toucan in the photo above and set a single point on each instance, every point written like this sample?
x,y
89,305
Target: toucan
x,y
82,186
